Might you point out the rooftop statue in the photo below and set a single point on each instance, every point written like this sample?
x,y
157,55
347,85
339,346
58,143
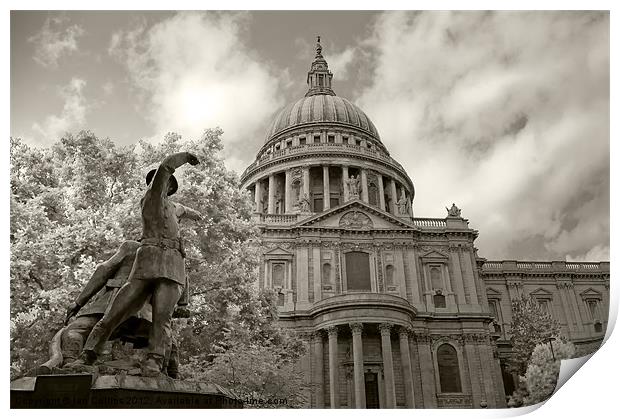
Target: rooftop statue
x,y
158,272
453,211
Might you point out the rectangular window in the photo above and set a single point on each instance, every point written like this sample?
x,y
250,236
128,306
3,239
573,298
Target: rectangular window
x,y
331,139
544,305
358,142
289,143
493,309
318,204
358,271
592,306
317,139
345,139
302,140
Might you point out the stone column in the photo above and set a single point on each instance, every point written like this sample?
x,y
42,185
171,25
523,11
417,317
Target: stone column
x,y
258,193
388,366
358,366
364,185
381,192
271,206
326,188
288,201
334,399
345,188
403,335
305,176
319,380
393,197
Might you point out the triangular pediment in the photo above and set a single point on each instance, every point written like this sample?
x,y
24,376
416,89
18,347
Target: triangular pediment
x,y
434,254
355,215
590,293
278,251
493,293
541,292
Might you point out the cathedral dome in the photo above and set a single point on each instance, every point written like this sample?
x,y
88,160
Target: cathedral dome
x,y
323,108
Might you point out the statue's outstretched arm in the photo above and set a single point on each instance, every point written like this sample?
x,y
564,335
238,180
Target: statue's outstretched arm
x,y
186,212
167,168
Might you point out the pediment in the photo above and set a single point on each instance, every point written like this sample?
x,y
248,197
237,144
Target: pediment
x,y
355,215
493,293
278,252
541,292
591,293
434,254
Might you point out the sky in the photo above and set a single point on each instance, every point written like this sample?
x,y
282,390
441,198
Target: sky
x,y
505,114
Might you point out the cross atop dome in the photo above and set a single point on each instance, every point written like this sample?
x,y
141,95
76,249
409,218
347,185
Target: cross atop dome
x,y
319,77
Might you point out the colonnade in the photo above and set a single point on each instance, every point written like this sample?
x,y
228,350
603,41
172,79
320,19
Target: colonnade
x,y
354,185
389,396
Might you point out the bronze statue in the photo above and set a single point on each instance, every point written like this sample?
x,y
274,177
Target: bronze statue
x,y
453,211
104,284
158,272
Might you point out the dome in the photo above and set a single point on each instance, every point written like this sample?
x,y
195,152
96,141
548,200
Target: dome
x,y
321,108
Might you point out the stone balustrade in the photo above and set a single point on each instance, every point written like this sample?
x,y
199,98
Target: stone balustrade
x,y
430,222
556,266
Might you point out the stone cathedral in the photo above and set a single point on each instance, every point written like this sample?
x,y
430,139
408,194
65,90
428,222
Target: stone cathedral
x,y
395,311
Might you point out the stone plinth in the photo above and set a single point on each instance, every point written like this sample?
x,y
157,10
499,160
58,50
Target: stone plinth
x,y
118,391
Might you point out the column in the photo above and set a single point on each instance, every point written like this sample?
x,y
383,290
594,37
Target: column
x,y
458,275
364,185
403,335
388,366
271,206
427,370
305,176
302,278
258,192
325,188
319,401
345,178
381,192
334,400
393,197
358,366
288,204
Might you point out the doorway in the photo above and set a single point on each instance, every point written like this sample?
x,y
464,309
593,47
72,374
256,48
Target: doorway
x,y
372,390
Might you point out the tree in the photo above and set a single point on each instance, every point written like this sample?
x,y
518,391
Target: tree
x,y
542,372
530,326
73,204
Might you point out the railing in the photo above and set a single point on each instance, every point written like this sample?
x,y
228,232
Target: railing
x,y
278,218
511,265
430,222
328,147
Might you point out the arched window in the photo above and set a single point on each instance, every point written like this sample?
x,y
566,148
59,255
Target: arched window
x,y
389,275
277,275
448,366
436,279
326,274
358,271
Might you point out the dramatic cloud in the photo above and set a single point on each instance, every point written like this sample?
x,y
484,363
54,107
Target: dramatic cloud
x,y
194,72
55,39
507,115
72,117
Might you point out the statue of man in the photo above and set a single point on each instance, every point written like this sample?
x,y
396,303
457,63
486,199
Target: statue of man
x,y
402,205
304,203
158,272
354,187
104,284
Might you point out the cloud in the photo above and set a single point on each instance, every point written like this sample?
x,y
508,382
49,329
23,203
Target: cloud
x,y
72,116
506,114
193,71
54,40
340,62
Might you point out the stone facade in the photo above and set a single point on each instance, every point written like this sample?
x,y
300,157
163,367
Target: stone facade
x,y
395,311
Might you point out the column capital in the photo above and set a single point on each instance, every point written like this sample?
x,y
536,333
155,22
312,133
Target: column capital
x,y
318,335
332,331
385,328
405,331
356,328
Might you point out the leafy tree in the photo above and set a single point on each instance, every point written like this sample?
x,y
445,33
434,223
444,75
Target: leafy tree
x,y
530,326
73,204
542,373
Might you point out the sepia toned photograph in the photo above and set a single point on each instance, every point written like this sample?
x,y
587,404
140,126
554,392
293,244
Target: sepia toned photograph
x,y
306,209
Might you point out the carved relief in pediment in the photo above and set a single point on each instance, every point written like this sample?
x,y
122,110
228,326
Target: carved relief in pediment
x,y
356,220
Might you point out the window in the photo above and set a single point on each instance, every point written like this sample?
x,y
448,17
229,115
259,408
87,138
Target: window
x,y
302,140
543,303
448,366
277,146
334,202
345,139
593,307
389,275
277,275
289,143
280,299
358,142
439,301
358,271
331,139
436,279
318,204
373,193
493,309
317,139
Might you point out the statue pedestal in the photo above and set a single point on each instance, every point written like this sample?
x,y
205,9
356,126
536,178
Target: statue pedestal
x,y
117,391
